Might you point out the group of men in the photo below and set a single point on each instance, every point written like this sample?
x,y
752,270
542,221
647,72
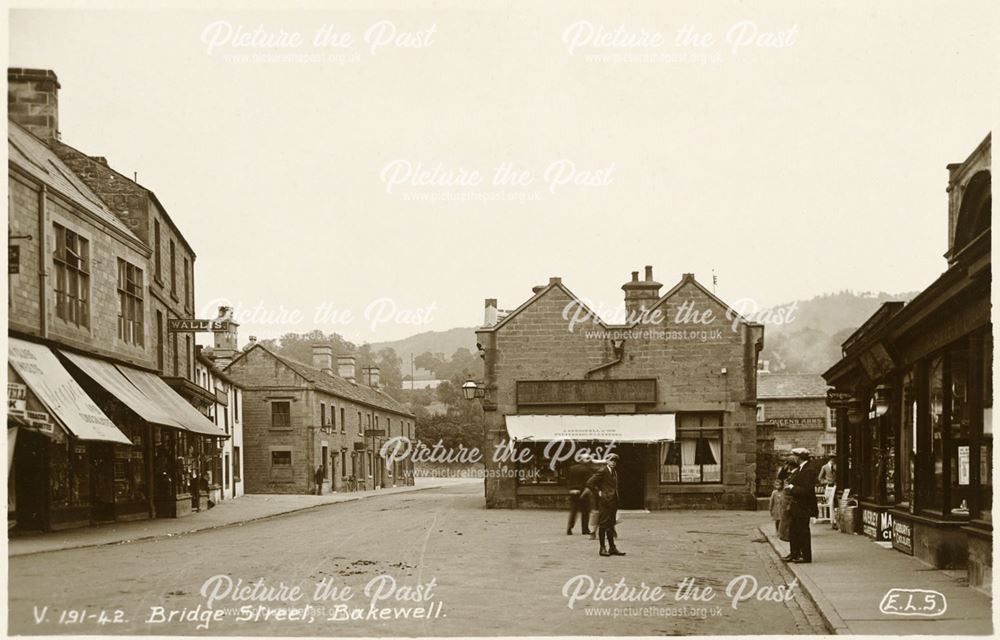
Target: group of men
x,y
593,493
800,479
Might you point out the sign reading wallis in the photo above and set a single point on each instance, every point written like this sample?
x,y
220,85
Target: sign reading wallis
x,y
632,391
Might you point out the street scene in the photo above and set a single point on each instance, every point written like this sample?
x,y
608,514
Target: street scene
x,y
500,320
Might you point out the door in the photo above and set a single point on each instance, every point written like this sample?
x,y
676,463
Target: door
x,y
31,463
102,469
631,476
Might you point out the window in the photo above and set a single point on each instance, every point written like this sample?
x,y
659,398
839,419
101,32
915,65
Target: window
x,y
157,256
360,430
388,427
281,415
935,493
325,455
322,414
760,413
190,357
908,437
225,473
236,405
176,357
187,284
225,418
536,468
343,421
173,269
237,476
369,464
343,463
333,416
131,326
281,458
72,270
696,456
159,341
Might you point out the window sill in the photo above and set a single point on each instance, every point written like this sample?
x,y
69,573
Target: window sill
x,y
717,487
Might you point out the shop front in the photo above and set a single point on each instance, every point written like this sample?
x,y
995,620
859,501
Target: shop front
x,y
59,472
915,432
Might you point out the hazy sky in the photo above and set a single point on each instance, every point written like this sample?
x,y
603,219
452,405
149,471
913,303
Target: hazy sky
x,y
795,148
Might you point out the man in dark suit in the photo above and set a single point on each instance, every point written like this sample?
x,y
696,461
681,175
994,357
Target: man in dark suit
x,y
579,501
801,488
604,484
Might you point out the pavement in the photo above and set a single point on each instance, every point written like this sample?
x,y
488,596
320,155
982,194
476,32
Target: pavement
x,y
850,576
243,510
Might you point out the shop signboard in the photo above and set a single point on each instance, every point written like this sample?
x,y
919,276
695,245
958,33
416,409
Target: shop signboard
x,y
40,421
877,524
192,325
902,536
839,399
17,397
963,465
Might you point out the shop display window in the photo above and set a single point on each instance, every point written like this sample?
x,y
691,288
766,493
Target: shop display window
x,y
985,457
959,445
537,468
935,493
907,438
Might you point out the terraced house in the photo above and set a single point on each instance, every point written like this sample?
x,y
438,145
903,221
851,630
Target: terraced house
x,y
102,418
300,419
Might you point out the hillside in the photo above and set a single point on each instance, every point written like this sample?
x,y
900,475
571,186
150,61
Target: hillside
x,y
435,342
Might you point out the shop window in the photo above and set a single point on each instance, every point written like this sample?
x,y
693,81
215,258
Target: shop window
x,y
908,438
959,445
281,415
985,502
536,468
236,405
935,493
131,326
696,456
71,262
130,467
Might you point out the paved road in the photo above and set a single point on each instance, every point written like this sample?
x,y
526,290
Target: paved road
x,y
436,562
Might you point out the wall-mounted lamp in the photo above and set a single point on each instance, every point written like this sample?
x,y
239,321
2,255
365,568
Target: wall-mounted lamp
x,y
880,400
472,389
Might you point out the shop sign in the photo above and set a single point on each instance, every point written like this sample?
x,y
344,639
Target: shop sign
x,y
193,325
40,420
839,399
877,525
800,423
374,433
359,446
902,536
17,397
963,465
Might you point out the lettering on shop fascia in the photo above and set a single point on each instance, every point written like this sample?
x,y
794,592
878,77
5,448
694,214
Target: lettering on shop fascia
x,y
554,392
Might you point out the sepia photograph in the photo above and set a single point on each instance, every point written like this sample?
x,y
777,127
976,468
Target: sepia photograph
x,y
497,318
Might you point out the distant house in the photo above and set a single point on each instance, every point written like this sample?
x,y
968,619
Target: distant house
x,y
793,407
422,379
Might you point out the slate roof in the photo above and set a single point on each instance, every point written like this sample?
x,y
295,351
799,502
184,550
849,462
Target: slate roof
x,y
336,385
790,385
34,157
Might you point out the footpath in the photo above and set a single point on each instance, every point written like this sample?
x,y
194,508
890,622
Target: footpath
x,y
242,510
851,575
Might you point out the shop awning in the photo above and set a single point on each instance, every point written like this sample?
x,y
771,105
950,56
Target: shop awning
x,y
59,392
114,382
631,427
167,399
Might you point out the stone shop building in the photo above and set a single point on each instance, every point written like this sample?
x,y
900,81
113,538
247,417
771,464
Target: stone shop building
x,y
674,388
915,398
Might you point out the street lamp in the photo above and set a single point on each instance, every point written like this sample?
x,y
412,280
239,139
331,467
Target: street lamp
x,y
881,399
471,389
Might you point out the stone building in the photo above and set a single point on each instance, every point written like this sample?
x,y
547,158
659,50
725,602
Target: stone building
x,y
914,392
674,388
297,417
96,433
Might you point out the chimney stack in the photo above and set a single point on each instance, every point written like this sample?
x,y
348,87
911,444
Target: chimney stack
x,y
33,101
490,316
251,343
346,366
372,377
640,296
225,342
323,358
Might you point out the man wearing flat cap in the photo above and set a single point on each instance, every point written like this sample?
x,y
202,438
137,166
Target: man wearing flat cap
x,y
801,488
604,485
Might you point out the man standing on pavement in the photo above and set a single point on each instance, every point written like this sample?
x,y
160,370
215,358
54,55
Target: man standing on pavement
x,y
801,488
576,478
319,476
604,484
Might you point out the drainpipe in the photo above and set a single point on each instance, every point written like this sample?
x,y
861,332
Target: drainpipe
x,y
43,313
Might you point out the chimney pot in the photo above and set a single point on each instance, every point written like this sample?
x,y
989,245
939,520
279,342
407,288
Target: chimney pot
x,y
635,276
490,314
649,273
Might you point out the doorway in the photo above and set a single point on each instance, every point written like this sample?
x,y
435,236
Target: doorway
x,y
31,463
102,481
631,475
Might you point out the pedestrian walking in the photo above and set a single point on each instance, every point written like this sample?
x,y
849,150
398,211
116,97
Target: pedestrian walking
x,y
588,494
577,476
801,492
604,484
319,476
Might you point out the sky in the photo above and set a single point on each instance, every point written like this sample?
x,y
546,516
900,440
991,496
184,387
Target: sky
x,y
379,172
